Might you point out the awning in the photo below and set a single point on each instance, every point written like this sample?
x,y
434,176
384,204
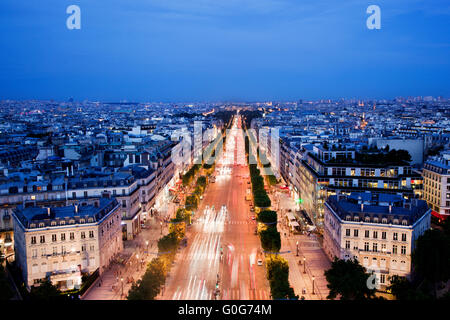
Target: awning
x,y
438,215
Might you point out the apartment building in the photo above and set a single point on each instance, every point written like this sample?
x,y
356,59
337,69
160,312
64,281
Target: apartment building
x,y
120,185
436,185
325,171
379,230
61,243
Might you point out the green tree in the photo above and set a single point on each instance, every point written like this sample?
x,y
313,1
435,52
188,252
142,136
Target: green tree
x,y
149,286
270,239
6,292
431,257
268,217
45,291
403,289
348,279
278,276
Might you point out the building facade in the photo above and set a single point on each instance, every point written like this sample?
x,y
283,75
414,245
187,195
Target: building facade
x,y
378,230
436,185
62,243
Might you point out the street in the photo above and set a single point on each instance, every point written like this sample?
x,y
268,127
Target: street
x,y
222,246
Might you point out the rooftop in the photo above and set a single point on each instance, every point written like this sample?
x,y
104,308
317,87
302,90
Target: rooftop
x,y
70,214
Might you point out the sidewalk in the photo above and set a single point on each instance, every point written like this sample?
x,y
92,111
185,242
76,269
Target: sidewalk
x,y
309,247
134,267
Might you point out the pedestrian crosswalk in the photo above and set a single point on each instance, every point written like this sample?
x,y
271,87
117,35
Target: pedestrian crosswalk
x,y
251,294
241,222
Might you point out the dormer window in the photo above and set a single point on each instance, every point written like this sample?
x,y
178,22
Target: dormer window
x,y
404,222
356,218
90,220
375,220
41,225
395,221
33,225
62,222
71,221
367,219
384,220
53,223
82,221
348,218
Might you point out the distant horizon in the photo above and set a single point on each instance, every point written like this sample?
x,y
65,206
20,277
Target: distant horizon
x,y
221,101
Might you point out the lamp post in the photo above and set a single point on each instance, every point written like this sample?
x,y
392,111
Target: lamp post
x,y
161,226
313,278
297,248
304,264
121,295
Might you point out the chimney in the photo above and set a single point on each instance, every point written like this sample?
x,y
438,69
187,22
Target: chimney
x,y
48,211
362,207
76,208
390,208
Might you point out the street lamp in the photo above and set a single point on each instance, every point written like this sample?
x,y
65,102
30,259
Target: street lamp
x,y
313,278
304,264
297,248
121,279
161,226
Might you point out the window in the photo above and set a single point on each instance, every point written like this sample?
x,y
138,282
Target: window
x,y
63,250
395,236
85,194
62,222
72,236
42,239
403,236
74,195
366,234
383,247
404,222
375,247
347,244
53,237
43,253
53,223
383,278
91,234
375,234
384,220
347,232
355,232
383,235
83,235
394,249
366,246
63,237
34,253
33,240
403,250
92,247
55,251
124,203
83,247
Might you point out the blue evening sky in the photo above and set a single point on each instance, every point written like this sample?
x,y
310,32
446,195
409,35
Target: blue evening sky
x,y
197,50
